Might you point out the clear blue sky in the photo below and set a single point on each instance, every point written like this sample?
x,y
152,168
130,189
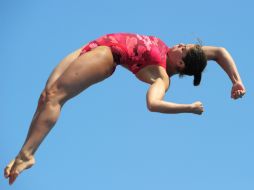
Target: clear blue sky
x,y
106,138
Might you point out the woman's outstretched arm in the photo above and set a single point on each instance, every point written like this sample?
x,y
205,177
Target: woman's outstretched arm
x,y
155,102
224,59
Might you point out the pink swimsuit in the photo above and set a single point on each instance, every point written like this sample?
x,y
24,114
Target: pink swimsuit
x,y
134,50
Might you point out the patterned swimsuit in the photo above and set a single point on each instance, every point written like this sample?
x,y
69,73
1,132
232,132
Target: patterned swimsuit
x,y
134,50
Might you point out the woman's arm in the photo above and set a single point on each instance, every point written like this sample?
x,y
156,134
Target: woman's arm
x,y
155,102
224,59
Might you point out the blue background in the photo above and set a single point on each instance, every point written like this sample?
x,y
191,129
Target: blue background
x,y
105,137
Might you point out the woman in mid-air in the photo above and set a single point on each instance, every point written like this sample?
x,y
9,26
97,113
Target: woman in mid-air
x,y
148,57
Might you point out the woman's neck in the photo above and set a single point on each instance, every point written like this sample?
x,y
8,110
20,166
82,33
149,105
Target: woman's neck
x,y
169,68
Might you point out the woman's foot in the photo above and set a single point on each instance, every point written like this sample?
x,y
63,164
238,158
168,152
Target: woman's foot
x,y
16,166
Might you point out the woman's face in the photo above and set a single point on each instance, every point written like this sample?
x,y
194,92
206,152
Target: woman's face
x,y
177,54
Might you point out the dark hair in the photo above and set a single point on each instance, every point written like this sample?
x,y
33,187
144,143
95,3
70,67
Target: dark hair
x,y
195,62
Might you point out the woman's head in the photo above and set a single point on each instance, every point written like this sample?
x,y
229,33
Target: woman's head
x,y
189,60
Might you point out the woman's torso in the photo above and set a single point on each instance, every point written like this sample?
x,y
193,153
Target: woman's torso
x,y
134,51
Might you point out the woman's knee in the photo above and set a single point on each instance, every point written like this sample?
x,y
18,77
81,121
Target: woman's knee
x,y
42,99
51,96
49,103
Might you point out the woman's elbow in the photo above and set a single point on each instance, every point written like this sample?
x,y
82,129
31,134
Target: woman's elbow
x,y
151,106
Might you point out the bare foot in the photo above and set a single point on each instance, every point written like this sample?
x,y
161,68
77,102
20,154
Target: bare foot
x,y
16,166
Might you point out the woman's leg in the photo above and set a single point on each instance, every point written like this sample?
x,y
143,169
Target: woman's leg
x,y
56,73
88,69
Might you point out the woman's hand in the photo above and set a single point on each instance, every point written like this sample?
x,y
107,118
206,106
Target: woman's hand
x,y
238,90
197,108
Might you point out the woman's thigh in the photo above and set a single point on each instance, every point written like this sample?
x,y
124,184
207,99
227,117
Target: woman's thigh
x,y
61,67
89,68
